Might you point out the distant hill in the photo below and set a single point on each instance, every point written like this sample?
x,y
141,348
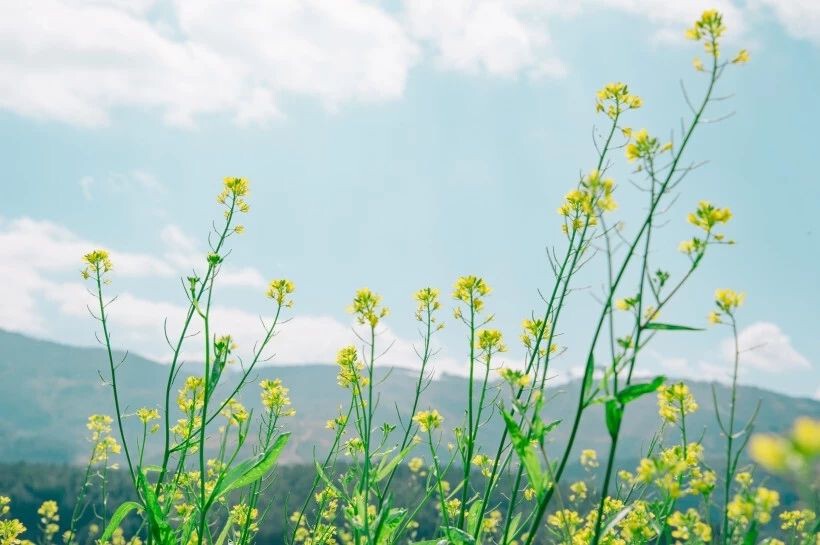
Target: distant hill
x,y
47,390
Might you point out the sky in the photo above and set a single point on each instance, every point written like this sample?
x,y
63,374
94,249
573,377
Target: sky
x,y
397,145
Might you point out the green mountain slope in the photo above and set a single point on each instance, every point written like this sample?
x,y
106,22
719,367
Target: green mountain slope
x,y
47,390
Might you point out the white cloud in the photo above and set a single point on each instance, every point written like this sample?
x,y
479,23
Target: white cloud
x,y
77,62
136,181
764,346
672,17
800,18
500,38
42,293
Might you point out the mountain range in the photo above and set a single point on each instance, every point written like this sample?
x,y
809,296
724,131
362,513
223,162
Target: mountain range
x,y
47,390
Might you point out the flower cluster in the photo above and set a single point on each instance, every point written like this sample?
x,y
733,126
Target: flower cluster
x,y
427,301
788,454
675,401
644,146
490,341
515,377
233,192
275,397
366,307
428,420
615,98
350,369
470,290
97,263
278,290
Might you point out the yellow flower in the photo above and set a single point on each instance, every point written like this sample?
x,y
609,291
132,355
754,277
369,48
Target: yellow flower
x,y
742,57
714,317
366,307
698,64
770,451
490,341
97,263
579,491
275,398
471,290
589,458
350,368
728,300
806,436
615,98
675,401
428,420
278,290
707,216
415,464
146,415
515,377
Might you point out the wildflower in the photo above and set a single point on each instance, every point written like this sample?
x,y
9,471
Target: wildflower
x,y
366,308
453,506
796,520
515,377
708,28
192,395
589,458
243,515
147,415
471,290
714,317
529,493
235,189
428,420
10,530
806,436
615,98
484,463
742,57
727,300
275,397
565,518
579,491
235,412
706,216
689,525
490,341
744,479
415,464
675,401
97,263
532,330
427,300
350,368
642,147
278,290
490,524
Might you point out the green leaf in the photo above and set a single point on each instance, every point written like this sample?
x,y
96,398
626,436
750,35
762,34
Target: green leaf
x,y
253,469
526,453
614,411
670,327
588,372
117,518
158,525
386,468
634,391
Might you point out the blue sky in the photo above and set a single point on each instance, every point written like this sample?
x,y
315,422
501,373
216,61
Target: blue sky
x,y
395,146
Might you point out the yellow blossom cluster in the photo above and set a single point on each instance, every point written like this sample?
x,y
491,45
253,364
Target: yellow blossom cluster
x,y
278,290
483,463
233,194
615,98
97,263
235,412
675,401
644,146
589,458
428,420
490,341
350,369
242,515
593,196
104,444
788,454
275,397
689,528
515,377
366,309
191,396
470,290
